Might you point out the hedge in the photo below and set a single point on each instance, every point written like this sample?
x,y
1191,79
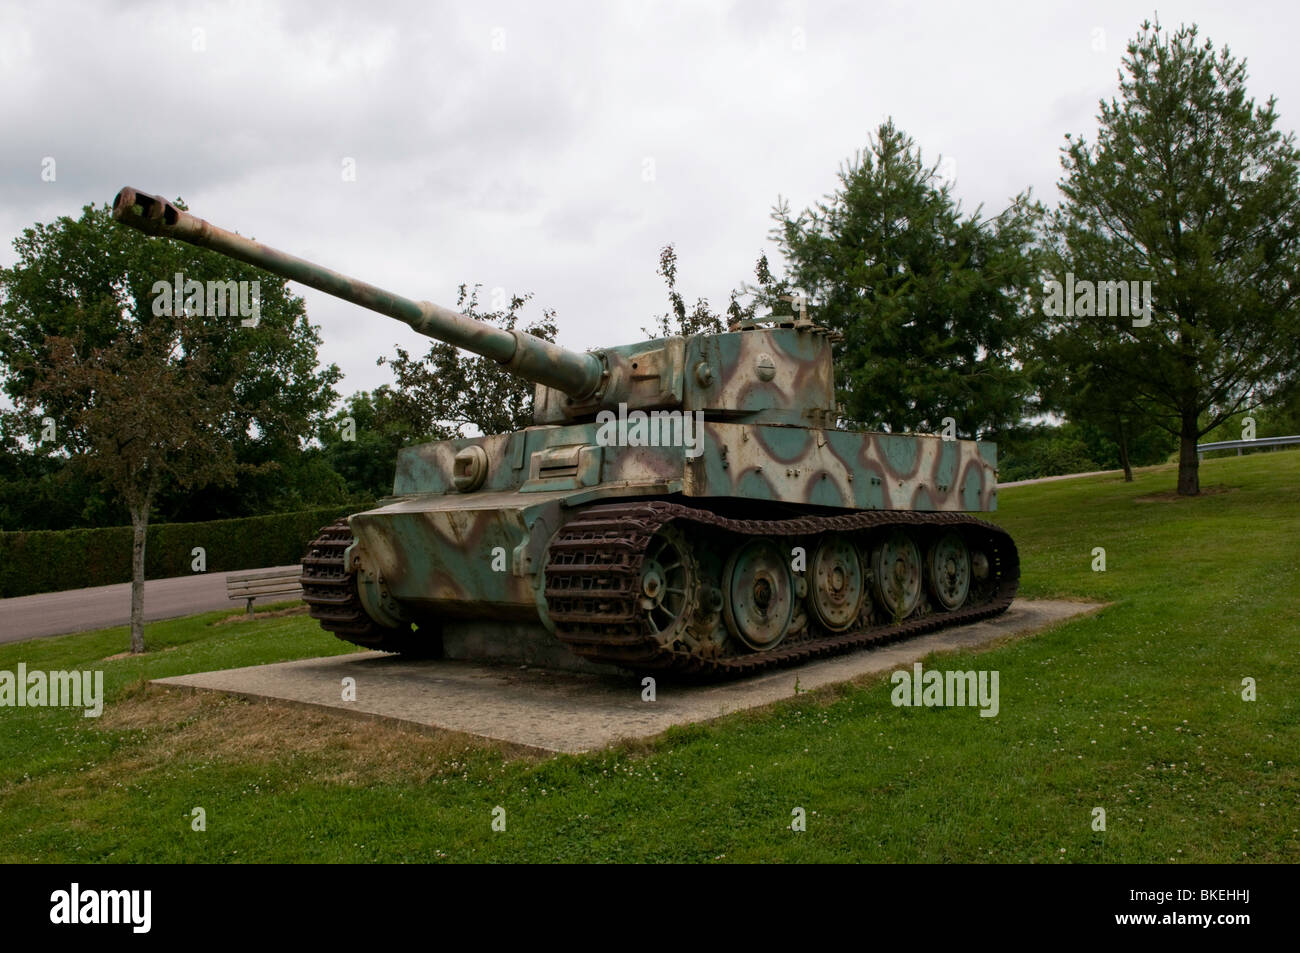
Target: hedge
x,y
50,561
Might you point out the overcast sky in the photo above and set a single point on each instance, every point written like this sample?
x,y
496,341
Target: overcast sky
x,y
551,147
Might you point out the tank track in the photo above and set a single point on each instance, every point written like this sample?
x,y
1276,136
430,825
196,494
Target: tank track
x,y
594,571
329,589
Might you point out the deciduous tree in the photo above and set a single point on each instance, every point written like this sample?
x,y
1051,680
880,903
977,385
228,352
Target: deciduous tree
x,y
143,412
148,397
447,393
90,280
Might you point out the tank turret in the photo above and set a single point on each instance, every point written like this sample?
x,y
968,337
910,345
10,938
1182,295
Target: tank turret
x,y
781,375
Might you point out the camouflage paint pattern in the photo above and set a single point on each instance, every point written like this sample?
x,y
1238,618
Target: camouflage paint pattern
x,y
774,375
480,554
466,530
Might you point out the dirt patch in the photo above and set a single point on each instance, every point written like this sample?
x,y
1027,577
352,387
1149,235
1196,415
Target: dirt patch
x,y
245,617
1171,496
178,727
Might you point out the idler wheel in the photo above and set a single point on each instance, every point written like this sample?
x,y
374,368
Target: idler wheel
x,y
837,582
896,573
667,583
758,594
950,571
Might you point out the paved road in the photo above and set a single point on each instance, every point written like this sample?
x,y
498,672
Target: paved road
x,y
77,610
1053,479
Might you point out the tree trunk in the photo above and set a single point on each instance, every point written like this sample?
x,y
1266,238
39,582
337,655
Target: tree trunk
x,y
1123,452
139,523
1189,477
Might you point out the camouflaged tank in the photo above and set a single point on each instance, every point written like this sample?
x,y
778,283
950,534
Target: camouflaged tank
x,y
685,503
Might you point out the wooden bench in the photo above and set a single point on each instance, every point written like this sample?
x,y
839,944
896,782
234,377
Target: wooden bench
x,y
264,582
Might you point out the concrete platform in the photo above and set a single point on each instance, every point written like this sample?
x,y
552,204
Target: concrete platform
x,y
569,712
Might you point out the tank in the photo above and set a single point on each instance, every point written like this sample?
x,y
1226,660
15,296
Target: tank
x,y
684,504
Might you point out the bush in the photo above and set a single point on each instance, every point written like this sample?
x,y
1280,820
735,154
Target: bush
x,y
1039,450
50,561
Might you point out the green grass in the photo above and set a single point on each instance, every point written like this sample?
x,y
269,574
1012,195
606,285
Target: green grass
x,y
1136,709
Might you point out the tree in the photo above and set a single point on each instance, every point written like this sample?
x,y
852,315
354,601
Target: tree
x,y
442,394
40,488
1189,187
699,320
930,302
145,396
90,280
143,412
1071,379
362,440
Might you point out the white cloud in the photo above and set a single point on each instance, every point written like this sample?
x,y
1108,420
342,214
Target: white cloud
x,y
522,167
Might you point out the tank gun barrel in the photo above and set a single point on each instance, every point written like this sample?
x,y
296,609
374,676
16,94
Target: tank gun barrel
x,y
578,374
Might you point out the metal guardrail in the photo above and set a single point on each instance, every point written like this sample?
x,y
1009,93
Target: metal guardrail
x,y
1242,445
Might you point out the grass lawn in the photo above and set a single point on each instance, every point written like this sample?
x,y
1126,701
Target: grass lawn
x,y
1137,709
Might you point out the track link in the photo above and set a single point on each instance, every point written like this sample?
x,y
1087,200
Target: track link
x,y
330,591
594,570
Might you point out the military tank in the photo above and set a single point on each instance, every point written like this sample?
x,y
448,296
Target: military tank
x,y
684,504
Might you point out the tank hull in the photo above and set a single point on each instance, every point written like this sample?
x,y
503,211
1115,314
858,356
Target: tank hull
x,y
432,551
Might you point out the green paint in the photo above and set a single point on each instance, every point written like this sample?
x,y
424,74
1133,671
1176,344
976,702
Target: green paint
x,y
787,443
970,491
826,493
949,463
900,452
